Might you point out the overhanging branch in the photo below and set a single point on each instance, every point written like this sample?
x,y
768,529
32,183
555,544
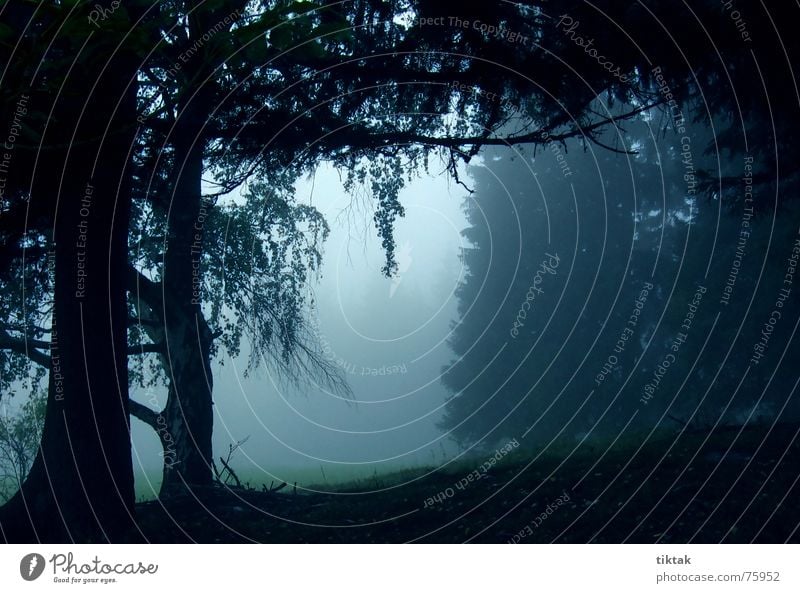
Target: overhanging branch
x,y
537,137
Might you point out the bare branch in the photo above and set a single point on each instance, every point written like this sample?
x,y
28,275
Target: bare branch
x,y
231,473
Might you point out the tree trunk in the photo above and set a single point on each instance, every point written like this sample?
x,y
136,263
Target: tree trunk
x,y
189,414
80,487
185,426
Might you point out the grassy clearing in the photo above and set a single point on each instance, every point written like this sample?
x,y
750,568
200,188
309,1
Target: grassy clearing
x,y
701,487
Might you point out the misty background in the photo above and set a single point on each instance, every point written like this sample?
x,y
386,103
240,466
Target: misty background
x,y
387,337
434,371
616,222
440,327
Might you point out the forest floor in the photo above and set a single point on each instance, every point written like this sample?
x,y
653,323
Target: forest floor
x,y
731,485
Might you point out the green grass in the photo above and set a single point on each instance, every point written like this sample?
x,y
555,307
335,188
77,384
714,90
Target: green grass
x,y
658,494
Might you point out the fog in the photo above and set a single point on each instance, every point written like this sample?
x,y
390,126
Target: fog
x,y
386,336
441,271
437,331
616,222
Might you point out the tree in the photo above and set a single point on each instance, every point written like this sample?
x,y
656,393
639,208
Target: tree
x,y
70,170
269,94
504,385
19,441
561,243
260,93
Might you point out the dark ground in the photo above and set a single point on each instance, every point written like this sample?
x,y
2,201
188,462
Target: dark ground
x,y
700,492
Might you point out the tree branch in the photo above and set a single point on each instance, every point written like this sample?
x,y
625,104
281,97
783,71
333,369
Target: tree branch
x,y
537,137
26,347
142,287
143,413
146,349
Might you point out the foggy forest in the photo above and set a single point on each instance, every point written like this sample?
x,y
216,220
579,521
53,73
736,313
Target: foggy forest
x,y
389,271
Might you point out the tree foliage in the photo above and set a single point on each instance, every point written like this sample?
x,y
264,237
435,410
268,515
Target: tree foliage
x,y
19,440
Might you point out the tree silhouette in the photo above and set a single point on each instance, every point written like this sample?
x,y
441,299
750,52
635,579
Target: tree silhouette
x,y
154,103
68,193
268,97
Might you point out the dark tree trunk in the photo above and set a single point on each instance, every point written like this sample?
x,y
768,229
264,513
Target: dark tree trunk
x,y
189,414
185,426
80,487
